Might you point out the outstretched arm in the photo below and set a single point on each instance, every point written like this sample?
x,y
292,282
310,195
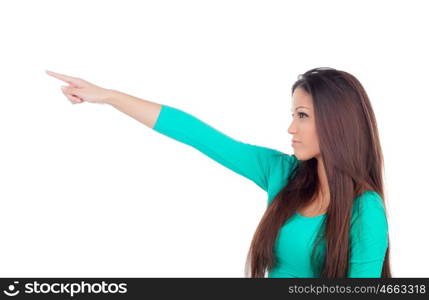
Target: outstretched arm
x,y
251,161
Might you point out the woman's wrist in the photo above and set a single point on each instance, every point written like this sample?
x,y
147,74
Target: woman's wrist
x,y
111,96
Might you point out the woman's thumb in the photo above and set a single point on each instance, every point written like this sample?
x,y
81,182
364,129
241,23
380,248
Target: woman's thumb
x,y
70,90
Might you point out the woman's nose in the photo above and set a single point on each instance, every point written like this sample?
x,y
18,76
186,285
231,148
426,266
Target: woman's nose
x,y
291,129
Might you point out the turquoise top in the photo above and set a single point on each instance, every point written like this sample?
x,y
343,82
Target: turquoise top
x,y
270,170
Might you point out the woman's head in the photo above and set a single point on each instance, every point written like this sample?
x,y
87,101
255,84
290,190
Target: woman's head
x,y
303,127
337,113
335,125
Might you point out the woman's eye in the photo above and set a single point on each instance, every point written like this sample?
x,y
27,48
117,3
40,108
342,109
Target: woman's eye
x,y
300,114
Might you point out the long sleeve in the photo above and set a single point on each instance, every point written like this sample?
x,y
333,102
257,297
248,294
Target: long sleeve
x,y
251,161
369,237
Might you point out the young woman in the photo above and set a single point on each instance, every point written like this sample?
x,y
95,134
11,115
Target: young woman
x,y
326,214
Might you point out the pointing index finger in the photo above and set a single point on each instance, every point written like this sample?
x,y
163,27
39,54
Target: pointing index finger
x,y
63,77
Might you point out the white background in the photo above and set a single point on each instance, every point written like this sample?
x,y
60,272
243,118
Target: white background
x,y
88,191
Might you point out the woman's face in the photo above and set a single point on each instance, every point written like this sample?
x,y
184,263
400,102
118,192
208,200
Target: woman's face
x,y
303,127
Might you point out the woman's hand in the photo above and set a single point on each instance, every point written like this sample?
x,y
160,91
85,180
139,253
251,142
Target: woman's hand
x,y
80,90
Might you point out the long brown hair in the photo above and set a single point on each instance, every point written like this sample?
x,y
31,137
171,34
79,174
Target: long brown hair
x,y
343,113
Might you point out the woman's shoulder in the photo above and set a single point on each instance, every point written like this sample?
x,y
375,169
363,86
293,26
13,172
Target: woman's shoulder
x,y
282,166
369,199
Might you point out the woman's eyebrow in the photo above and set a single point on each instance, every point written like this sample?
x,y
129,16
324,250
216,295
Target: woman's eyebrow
x,y
299,107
